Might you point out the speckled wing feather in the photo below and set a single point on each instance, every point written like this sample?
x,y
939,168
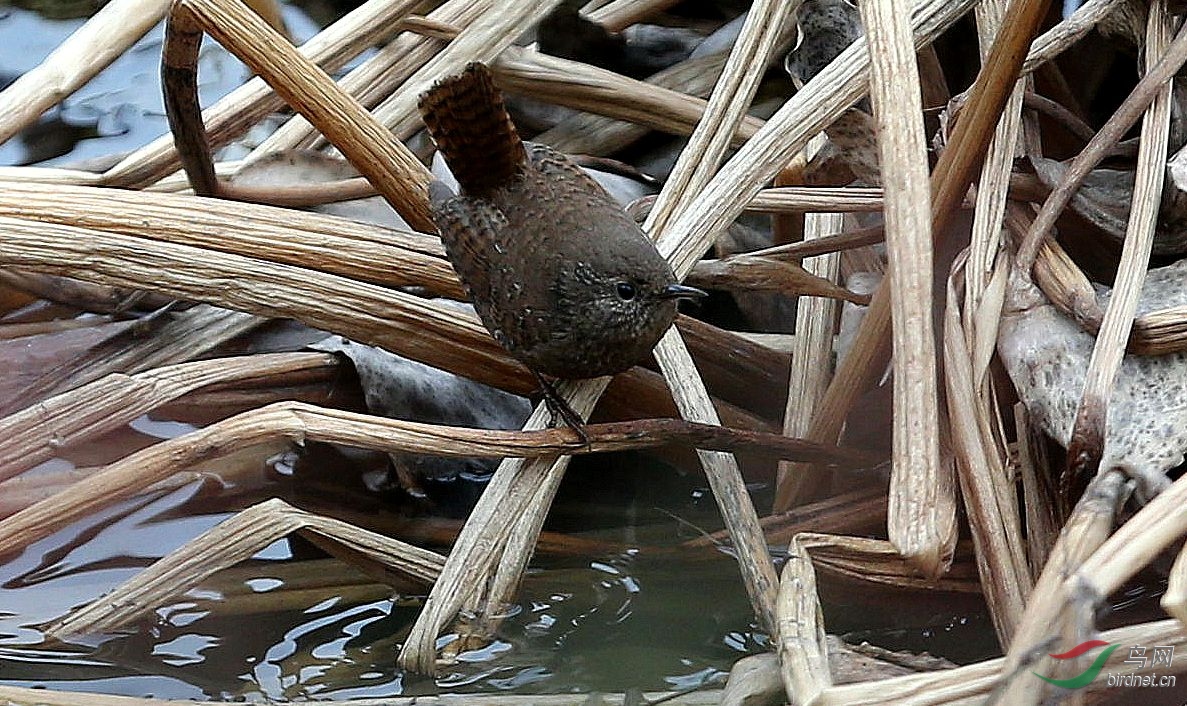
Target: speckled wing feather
x,y
467,119
470,229
555,164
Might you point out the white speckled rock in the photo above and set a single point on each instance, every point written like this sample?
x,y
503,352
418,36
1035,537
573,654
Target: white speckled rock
x,y
1047,356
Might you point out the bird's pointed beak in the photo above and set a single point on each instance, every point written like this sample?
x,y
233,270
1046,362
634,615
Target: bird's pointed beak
x,y
680,291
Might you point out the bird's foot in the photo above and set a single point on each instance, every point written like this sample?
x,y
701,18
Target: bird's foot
x,y
560,409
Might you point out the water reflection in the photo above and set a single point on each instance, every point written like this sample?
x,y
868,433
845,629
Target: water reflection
x,y
288,625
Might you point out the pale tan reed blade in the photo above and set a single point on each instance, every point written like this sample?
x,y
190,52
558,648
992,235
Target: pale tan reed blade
x,y
694,170
922,512
1038,489
988,490
1174,601
1074,586
519,489
803,652
247,105
1147,90
620,14
520,485
387,163
787,132
586,133
378,76
1042,623
482,41
996,530
299,422
1133,546
158,340
815,322
361,251
104,37
994,185
49,175
588,88
726,108
742,273
38,433
950,180
973,685
1088,434
231,542
1062,36
434,333
795,199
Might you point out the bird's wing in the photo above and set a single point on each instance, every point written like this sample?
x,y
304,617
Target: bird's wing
x,y
470,228
555,164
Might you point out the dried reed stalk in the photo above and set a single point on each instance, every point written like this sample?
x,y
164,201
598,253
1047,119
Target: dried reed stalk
x,y
1074,589
521,489
300,422
994,185
436,334
691,175
1088,432
483,40
37,433
742,273
104,37
995,526
387,163
804,115
1042,506
155,340
972,684
803,652
231,542
802,649
377,77
808,112
620,14
922,511
586,133
858,512
987,488
795,199
360,251
1041,623
248,104
1062,36
594,90
812,354
1174,601
1147,89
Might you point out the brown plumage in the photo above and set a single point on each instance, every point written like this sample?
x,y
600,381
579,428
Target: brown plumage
x,y
557,272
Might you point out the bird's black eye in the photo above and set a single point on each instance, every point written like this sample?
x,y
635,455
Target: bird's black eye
x,y
626,291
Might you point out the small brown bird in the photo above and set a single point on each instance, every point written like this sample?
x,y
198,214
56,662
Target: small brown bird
x,y
557,272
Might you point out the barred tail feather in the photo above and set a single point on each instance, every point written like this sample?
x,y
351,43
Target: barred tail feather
x,y
466,117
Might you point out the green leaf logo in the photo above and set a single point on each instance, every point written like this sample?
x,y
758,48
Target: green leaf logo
x,y
1083,678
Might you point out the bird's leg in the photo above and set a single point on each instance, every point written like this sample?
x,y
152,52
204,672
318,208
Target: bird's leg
x,y
560,408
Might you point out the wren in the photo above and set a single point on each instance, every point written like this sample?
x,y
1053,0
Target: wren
x,y
559,274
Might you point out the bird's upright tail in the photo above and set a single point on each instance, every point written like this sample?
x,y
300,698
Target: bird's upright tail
x,y
467,119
